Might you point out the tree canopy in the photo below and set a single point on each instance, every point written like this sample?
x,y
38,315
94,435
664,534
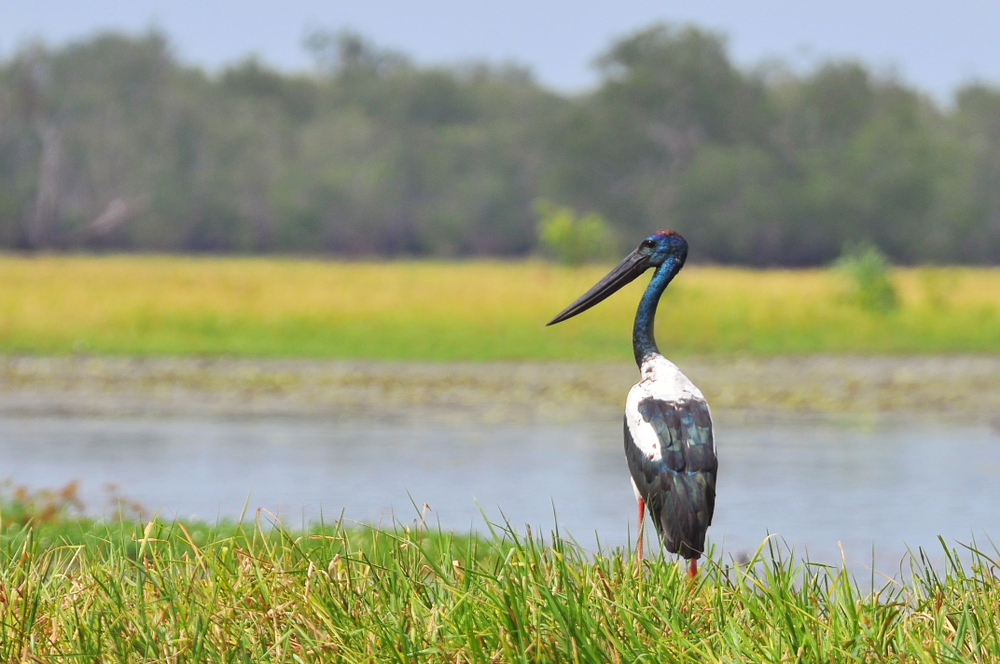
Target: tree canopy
x,y
112,143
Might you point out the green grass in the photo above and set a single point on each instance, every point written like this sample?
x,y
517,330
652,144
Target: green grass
x,y
174,592
266,307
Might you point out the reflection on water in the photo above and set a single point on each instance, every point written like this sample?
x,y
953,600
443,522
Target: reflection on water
x,y
889,487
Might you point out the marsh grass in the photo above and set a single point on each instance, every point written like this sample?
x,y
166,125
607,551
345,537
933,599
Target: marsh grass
x,y
127,592
264,307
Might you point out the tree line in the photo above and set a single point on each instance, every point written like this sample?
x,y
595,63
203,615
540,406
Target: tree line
x,y
112,144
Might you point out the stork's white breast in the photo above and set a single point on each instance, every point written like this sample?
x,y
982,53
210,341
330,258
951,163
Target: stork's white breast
x,y
661,380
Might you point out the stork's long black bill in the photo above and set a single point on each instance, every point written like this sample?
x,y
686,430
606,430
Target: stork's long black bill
x,y
624,273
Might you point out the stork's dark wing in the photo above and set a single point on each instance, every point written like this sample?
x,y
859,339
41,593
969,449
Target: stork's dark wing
x,y
678,484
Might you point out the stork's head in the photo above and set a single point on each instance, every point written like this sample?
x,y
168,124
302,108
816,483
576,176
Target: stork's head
x,y
662,245
661,249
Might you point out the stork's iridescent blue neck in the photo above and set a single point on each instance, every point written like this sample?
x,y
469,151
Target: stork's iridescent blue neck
x,y
643,342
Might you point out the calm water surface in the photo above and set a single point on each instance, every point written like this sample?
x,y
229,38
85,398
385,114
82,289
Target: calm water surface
x,y
882,488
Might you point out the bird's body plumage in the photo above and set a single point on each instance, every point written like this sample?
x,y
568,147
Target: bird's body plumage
x,y
669,442
670,448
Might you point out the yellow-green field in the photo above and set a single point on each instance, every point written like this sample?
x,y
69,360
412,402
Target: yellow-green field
x,y
142,305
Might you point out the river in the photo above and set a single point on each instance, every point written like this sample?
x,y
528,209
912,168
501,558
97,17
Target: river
x,y
875,489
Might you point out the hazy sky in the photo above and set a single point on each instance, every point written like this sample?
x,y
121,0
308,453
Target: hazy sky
x,y
936,45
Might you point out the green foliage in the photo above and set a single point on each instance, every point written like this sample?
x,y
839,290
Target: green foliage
x,y
190,591
574,240
110,143
869,274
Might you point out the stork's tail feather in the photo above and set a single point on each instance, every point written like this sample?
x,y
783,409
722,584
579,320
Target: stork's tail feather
x,y
686,513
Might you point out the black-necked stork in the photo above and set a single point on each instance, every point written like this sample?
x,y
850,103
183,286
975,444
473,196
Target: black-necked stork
x,y
668,427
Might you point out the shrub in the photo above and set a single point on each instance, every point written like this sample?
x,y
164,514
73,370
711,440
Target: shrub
x,y
868,271
573,240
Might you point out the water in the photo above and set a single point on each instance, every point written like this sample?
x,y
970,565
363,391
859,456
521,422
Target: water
x,y
881,488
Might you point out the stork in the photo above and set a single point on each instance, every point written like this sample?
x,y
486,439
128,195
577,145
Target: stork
x,y
669,444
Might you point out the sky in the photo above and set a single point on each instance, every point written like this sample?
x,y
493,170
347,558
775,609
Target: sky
x,y
935,45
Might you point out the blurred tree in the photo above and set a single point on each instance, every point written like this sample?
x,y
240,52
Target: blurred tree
x,y
666,91
111,143
978,125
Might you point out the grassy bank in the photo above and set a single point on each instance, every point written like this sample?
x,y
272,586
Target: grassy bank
x,y
80,591
476,311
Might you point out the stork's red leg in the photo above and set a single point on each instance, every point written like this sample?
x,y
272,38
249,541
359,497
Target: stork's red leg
x,y
693,568
642,520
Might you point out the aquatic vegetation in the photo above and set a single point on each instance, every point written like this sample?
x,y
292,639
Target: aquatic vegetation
x,y
161,591
23,505
281,307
